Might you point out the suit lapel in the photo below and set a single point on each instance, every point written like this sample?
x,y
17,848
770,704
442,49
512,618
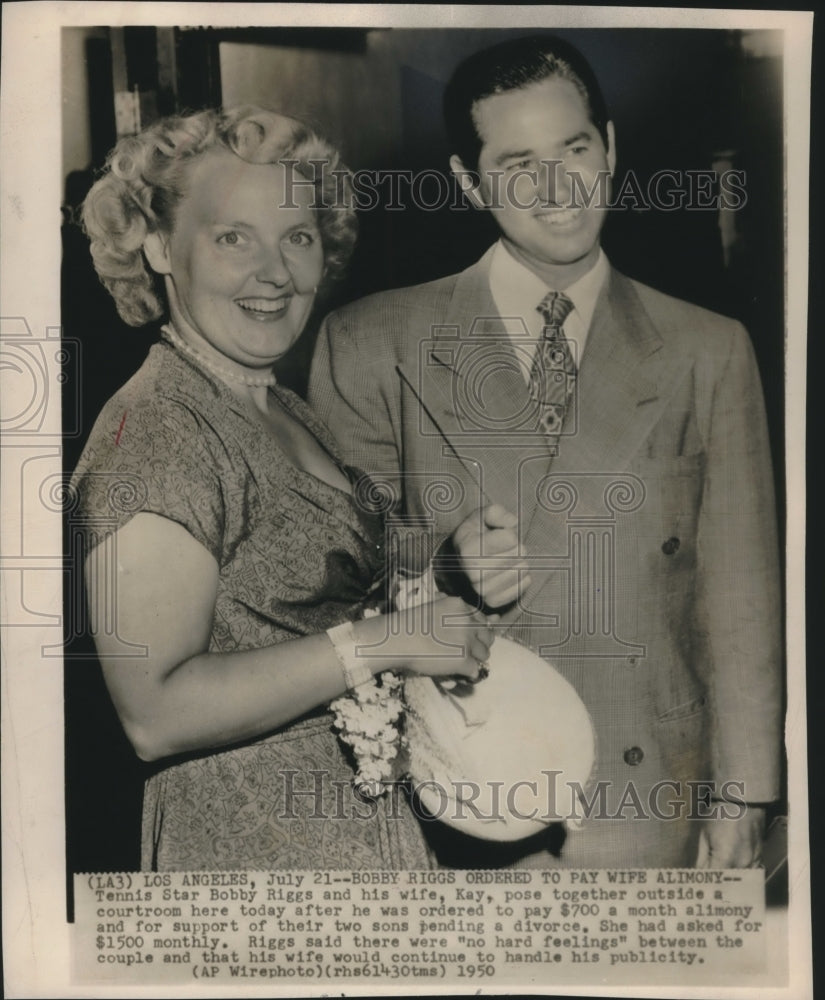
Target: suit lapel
x,y
626,378
469,382
623,376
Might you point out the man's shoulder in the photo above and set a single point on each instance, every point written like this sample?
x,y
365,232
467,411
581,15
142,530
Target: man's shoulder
x,y
431,297
386,327
682,319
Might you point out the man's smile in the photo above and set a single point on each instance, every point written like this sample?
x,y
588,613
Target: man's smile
x,y
560,217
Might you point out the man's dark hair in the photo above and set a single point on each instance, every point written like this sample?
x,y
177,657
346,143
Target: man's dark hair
x,y
513,65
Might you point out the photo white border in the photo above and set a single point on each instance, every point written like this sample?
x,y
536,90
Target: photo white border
x,y
36,936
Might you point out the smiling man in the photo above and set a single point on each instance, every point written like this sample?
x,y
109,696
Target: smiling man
x,y
542,164
624,431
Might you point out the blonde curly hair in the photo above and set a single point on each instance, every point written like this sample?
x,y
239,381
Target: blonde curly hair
x,y
145,178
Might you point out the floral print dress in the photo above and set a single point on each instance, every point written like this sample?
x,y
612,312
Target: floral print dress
x,y
296,556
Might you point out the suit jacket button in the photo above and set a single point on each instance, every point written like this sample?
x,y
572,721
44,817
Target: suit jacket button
x,y
632,661
670,546
634,756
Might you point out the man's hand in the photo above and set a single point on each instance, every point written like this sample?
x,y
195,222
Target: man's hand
x,y
485,533
732,843
441,638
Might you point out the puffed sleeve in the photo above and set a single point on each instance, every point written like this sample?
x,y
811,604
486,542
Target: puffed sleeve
x,y
156,457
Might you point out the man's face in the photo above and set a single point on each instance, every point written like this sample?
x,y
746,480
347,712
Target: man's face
x,y
541,157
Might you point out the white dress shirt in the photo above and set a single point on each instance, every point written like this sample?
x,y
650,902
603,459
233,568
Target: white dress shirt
x,y
517,293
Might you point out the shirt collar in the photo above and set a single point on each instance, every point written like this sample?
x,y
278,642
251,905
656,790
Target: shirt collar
x,y
512,285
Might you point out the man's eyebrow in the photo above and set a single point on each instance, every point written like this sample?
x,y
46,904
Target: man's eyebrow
x,y
577,138
518,154
525,154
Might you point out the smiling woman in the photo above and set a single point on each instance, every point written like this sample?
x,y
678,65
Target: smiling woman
x,y
224,506
241,272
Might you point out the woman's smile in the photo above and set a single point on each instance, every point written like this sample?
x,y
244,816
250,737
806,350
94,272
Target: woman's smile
x,y
265,310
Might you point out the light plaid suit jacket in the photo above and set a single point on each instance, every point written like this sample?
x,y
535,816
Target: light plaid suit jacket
x,y
655,586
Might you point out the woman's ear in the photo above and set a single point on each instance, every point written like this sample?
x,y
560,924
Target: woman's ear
x,y
156,249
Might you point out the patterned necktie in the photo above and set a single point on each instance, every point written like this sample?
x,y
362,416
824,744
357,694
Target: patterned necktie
x,y
553,374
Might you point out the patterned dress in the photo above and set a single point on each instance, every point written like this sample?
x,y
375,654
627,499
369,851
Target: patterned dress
x,y
296,556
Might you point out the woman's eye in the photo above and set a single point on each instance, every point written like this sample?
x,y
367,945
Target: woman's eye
x,y
301,239
231,239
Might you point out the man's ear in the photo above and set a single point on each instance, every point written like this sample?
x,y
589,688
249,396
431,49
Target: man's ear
x,y
156,248
467,181
611,148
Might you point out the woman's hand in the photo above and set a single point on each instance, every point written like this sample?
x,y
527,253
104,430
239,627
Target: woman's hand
x,y
443,638
488,548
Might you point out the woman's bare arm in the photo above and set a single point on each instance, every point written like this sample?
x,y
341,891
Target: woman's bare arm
x,y
179,697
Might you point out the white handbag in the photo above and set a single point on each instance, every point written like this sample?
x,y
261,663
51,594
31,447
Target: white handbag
x,y
502,758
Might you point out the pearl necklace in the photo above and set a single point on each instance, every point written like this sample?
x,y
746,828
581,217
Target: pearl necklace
x,y
178,342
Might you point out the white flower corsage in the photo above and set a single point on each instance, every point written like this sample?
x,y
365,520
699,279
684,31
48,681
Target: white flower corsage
x,y
367,719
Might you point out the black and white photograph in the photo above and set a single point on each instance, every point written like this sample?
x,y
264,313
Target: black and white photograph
x,y
403,500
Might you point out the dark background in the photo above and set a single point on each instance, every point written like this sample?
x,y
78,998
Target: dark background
x,y
680,99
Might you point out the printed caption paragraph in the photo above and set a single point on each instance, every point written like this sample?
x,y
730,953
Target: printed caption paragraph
x,y
461,927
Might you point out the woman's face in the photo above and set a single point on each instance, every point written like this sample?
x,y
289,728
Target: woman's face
x,y
242,268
